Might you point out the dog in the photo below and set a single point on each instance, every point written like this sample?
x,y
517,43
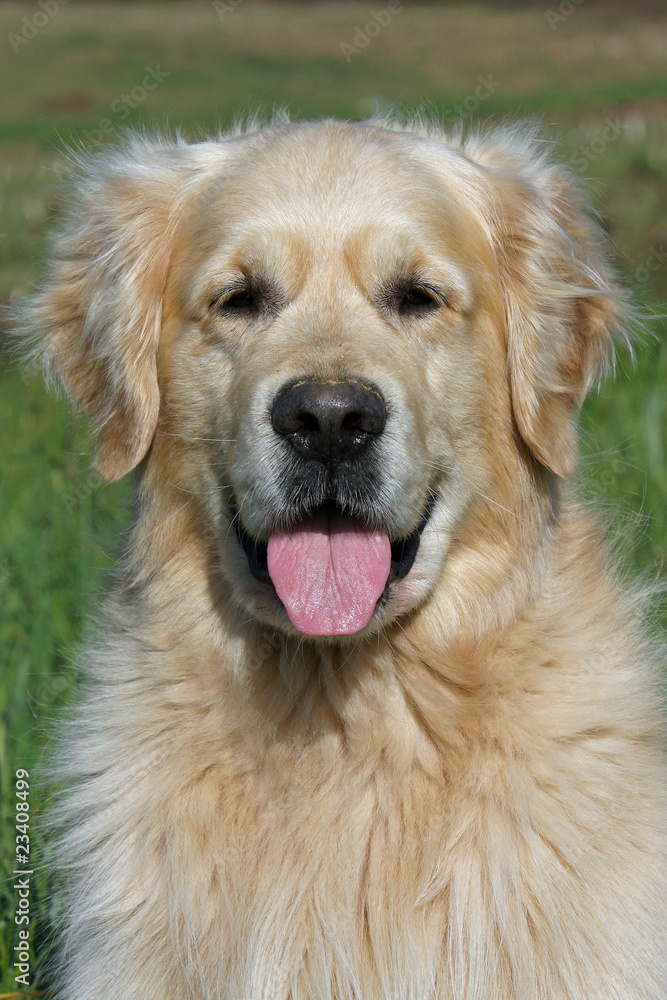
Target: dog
x,y
370,714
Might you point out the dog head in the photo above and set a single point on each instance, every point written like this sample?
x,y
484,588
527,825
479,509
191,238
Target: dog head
x,y
355,350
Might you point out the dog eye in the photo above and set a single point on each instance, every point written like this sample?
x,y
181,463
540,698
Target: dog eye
x,y
238,300
416,299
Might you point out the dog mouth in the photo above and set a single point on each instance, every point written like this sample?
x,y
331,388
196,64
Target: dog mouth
x,y
330,569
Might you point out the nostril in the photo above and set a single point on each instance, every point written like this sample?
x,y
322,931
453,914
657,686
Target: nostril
x,y
308,422
352,421
367,423
288,416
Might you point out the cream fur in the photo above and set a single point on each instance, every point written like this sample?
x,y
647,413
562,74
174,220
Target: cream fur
x,y
467,800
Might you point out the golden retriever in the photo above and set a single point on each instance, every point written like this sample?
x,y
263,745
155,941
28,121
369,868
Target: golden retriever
x,y
370,715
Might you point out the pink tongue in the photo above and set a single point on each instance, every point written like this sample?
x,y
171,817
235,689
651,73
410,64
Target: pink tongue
x,y
329,573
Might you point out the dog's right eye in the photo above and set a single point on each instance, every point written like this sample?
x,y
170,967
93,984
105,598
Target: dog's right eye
x,y
236,301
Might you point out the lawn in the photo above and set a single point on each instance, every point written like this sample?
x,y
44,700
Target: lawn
x,y
595,78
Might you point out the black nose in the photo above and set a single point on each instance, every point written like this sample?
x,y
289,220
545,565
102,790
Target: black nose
x,y
329,420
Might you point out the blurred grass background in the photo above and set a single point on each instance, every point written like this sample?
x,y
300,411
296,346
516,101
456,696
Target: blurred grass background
x,y
597,79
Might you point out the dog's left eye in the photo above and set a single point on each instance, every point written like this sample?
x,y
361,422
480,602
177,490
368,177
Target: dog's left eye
x,y
416,299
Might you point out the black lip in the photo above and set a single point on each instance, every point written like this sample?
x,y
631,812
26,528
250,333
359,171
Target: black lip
x,y
403,552
255,552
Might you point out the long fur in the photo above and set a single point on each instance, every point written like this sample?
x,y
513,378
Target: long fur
x,y
465,802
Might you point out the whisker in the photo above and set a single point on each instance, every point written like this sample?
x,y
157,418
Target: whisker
x,y
495,502
188,437
164,521
237,516
215,491
438,468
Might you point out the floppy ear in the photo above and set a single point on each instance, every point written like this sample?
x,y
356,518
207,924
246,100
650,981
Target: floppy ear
x,y
95,321
562,306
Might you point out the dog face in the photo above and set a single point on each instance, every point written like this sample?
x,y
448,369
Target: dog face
x,y
344,374
342,345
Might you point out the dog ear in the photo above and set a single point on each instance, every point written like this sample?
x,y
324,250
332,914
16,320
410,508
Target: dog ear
x,y
95,321
563,308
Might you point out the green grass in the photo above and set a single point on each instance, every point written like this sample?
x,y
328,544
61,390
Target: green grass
x,y
59,529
